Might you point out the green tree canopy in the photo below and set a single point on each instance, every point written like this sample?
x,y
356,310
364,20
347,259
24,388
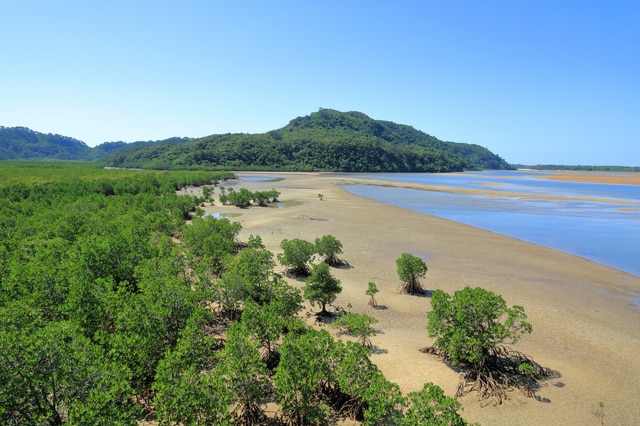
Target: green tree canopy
x,y
410,269
305,363
471,328
296,256
189,388
245,375
324,140
329,247
321,287
51,374
431,406
472,323
372,290
357,325
210,241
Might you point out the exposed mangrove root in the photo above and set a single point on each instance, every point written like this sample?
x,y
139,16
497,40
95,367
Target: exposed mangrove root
x,y
335,262
502,370
270,357
227,314
344,404
413,287
365,341
248,415
298,272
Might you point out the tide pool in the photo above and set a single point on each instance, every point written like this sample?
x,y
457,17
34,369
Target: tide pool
x,y
599,222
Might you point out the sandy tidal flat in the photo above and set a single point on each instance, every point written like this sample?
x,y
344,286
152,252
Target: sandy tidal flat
x,y
585,316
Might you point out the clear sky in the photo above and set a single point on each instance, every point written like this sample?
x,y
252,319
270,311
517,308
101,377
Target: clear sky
x,y
534,81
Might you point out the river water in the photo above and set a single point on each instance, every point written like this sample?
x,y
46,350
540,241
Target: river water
x,y
597,221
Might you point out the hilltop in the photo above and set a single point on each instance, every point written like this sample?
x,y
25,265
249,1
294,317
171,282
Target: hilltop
x,y
326,140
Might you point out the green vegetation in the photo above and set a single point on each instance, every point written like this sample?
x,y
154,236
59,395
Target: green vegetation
x,y
117,304
599,413
24,143
470,325
21,143
92,290
372,290
211,242
296,256
431,406
357,325
329,247
410,269
327,140
243,197
470,328
321,287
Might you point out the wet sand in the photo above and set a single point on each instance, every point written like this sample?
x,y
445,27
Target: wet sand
x,y
585,316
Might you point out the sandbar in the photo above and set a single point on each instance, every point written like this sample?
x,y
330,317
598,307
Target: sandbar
x,y
626,178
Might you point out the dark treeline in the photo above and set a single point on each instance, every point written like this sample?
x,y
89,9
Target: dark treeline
x,y
118,304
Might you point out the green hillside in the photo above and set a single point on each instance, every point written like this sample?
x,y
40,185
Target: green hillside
x,y
21,143
326,140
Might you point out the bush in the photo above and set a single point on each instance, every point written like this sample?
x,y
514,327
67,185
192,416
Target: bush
x,y
296,256
410,270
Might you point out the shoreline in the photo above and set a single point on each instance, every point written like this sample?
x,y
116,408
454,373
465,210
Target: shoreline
x,y
584,317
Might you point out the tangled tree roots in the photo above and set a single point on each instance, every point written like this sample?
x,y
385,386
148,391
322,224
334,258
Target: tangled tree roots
x,y
412,287
501,371
248,415
297,272
346,405
363,339
335,262
227,314
271,358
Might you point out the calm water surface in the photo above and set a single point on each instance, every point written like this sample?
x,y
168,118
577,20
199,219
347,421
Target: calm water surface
x,y
604,232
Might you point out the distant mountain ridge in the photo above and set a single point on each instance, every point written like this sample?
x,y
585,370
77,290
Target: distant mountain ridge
x,y
326,140
22,143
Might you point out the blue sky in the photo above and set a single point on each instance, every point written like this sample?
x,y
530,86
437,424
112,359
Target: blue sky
x,y
533,81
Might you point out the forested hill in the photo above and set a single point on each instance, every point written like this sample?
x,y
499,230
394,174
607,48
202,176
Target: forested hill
x,y
327,140
22,143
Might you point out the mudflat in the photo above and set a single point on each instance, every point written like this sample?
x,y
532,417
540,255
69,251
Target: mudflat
x,y
585,316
